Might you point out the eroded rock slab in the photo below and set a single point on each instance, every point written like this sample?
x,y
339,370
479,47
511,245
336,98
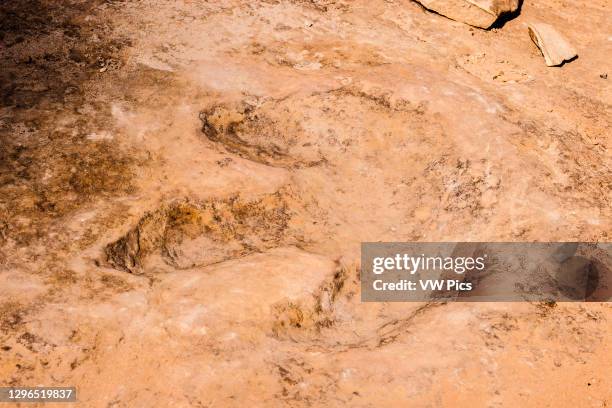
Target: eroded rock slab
x,y
554,47
478,13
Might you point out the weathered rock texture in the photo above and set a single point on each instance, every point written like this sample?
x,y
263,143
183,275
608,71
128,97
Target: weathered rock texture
x,y
555,48
184,187
478,13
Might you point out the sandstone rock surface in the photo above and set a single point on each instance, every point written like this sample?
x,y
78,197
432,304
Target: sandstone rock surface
x,y
555,48
478,13
203,252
